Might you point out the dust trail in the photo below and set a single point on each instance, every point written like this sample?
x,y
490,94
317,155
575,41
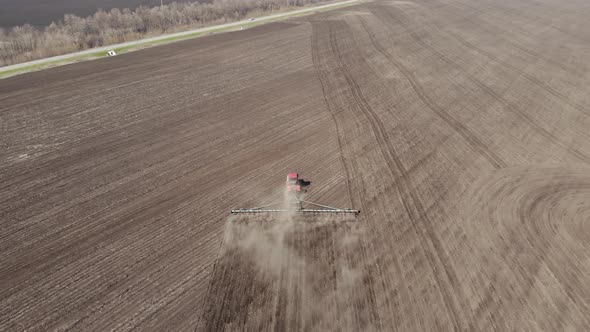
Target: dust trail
x,y
284,271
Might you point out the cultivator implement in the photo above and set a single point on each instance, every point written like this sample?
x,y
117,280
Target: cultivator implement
x,y
297,207
294,204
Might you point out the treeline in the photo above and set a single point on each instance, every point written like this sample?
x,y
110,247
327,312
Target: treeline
x,y
25,43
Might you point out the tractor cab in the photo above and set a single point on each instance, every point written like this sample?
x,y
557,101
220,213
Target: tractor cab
x,y
292,178
293,185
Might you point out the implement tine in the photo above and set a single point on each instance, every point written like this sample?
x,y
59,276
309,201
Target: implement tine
x,y
318,211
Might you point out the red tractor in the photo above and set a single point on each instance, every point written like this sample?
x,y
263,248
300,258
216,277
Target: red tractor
x,y
294,201
293,184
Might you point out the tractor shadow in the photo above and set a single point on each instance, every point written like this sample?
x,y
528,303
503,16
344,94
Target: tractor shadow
x,y
304,183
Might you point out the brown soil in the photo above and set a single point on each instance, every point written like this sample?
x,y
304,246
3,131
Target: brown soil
x,y
459,129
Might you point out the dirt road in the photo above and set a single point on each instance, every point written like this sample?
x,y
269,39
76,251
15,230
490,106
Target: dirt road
x,y
458,128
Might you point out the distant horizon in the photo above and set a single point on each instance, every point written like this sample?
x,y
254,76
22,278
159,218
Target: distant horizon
x,y
41,13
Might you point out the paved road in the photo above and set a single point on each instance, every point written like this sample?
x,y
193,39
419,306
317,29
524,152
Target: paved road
x,y
153,39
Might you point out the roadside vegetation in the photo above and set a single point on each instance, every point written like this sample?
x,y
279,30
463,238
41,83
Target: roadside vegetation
x,y
73,33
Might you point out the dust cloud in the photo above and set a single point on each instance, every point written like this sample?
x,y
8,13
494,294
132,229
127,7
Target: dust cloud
x,y
296,265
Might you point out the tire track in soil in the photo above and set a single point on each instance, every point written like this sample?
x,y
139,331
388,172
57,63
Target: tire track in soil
x,y
315,58
577,106
359,196
357,199
535,19
472,139
412,204
523,73
529,238
376,126
478,146
469,137
380,11
517,45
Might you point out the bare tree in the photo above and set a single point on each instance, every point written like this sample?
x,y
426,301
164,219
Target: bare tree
x,y
24,43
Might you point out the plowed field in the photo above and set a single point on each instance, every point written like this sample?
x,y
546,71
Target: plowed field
x,y
460,129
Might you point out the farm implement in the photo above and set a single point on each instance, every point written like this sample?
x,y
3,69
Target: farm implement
x,y
294,203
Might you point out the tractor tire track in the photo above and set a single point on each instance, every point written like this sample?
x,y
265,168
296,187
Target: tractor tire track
x,y
317,30
315,59
530,78
477,145
380,11
412,204
358,198
495,29
474,142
